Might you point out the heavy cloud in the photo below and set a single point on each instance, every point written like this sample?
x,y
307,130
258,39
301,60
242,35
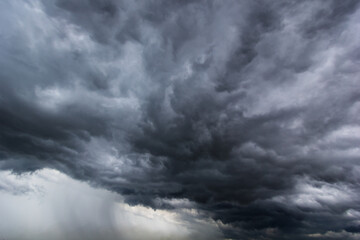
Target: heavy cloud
x,y
250,109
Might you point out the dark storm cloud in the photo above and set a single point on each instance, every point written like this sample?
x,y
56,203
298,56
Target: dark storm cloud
x,y
248,108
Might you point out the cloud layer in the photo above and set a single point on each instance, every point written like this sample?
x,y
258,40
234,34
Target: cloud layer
x,y
250,109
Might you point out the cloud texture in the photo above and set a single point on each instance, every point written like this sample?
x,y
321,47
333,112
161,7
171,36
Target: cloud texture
x,y
249,109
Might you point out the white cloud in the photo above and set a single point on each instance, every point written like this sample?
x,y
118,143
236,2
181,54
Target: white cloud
x,y
53,204
310,193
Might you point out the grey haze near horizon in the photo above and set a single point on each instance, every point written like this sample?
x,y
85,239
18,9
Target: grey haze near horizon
x,y
250,109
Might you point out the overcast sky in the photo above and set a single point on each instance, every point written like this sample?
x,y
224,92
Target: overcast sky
x,y
179,119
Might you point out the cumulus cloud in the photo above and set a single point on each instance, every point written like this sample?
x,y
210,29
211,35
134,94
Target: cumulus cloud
x,y
248,109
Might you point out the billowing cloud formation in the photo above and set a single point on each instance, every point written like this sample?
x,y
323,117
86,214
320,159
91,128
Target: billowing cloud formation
x,y
250,109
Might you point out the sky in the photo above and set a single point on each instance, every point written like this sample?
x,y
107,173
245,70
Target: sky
x,y
219,120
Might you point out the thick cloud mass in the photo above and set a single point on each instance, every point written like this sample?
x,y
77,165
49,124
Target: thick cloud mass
x,y
249,109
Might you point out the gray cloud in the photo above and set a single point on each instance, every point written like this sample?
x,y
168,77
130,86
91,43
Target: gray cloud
x,y
243,107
